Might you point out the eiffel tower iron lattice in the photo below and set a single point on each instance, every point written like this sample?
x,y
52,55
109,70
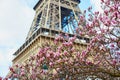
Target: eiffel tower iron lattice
x,y
59,15
52,17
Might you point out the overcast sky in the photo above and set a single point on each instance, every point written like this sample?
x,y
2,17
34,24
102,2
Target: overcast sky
x,y
15,19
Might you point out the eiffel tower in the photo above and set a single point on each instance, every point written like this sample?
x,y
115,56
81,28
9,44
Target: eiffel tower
x,y
52,17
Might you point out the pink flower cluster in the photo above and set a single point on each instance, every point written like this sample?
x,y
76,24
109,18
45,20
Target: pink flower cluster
x,y
100,57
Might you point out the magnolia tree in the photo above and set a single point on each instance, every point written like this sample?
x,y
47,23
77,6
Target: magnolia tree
x,y
99,59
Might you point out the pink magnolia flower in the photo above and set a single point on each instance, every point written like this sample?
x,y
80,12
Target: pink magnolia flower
x,y
82,18
22,73
5,79
102,30
73,49
88,48
57,54
17,65
114,22
72,39
115,14
67,36
84,53
96,23
102,0
11,69
107,2
89,63
96,13
57,69
47,55
46,48
15,75
112,45
56,40
118,44
38,56
81,33
22,70
51,64
10,76
60,48
118,52
41,51
67,44
114,62
41,59
0,78
37,64
65,52
78,54
33,76
70,43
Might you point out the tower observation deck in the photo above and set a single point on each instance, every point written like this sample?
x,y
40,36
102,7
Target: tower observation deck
x,y
52,17
58,15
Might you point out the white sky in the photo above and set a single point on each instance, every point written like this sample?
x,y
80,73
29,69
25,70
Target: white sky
x,y
15,19
97,5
